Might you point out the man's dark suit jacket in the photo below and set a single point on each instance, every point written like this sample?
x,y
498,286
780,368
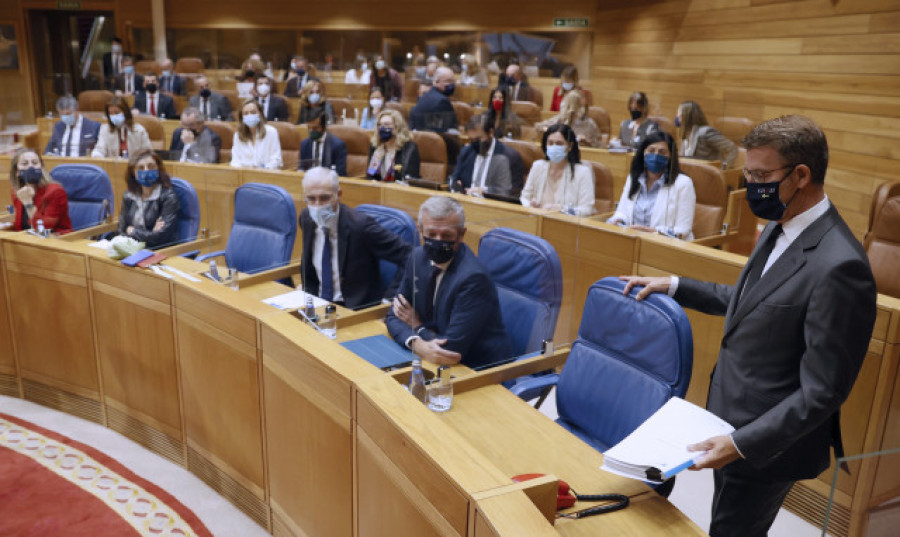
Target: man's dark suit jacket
x,y
278,108
89,130
516,166
466,309
165,106
362,243
334,153
178,86
433,112
219,106
293,86
135,89
792,349
206,146
465,167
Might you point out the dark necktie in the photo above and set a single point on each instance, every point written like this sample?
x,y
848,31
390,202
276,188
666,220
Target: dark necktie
x,y
264,111
327,278
66,150
759,261
429,297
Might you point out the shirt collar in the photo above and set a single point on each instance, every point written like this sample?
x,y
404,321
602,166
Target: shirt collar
x,y
796,225
642,180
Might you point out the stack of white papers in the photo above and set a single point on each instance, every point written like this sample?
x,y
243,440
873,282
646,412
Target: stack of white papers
x,y
657,450
294,300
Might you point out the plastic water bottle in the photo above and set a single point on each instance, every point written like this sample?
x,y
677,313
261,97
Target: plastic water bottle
x,y
310,310
125,154
214,270
328,324
39,227
417,381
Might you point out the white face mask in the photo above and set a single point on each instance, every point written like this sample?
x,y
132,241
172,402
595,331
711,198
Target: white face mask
x,y
376,103
363,67
117,49
314,98
567,86
262,89
379,64
251,120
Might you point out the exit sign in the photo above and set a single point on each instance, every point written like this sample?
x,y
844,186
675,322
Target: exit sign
x,y
570,22
69,5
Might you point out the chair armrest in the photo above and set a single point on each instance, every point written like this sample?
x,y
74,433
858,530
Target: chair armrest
x,y
90,231
204,257
512,370
531,387
188,246
277,273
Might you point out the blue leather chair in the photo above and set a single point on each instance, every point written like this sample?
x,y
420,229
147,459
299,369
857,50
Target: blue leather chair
x,y
189,213
265,226
400,224
89,191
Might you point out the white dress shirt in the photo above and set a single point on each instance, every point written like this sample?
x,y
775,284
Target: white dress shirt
x,y
792,229
71,140
318,246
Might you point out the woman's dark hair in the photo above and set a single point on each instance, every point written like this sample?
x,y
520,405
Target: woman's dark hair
x,y
574,156
637,163
372,90
121,104
504,112
639,98
133,186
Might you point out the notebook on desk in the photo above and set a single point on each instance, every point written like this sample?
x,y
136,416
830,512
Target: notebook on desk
x,y
380,351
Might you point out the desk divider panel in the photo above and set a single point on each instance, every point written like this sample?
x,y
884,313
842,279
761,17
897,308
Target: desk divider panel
x,y
9,383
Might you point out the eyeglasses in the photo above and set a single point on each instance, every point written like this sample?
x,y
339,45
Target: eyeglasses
x,y
762,176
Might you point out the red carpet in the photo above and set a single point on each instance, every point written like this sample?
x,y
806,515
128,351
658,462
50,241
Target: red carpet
x,y
53,485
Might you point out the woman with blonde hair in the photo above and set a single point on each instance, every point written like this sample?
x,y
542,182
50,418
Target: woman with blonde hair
x,y
313,103
255,144
568,81
573,113
120,136
36,197
393,155
472,74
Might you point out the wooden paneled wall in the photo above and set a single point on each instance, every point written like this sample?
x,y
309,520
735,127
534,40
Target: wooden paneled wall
x,y
837,61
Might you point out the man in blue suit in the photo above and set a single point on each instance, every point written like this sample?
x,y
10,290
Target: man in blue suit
x,y
434,112
322,148
170,82
74,135
447,310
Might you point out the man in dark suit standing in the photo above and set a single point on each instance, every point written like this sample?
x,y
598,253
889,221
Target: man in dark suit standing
x,y
446,310
275,108
74,135
321,148
170,82
112,62
345,272
196,142
153,103
434,112
797,327
128,82
211,104
482,166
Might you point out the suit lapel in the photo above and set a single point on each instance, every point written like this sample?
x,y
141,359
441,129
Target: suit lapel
x,y
343,232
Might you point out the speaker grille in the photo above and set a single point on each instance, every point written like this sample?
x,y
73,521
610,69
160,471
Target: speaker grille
x,y
811,506
254,507
145,435
69,403
280,527
9,386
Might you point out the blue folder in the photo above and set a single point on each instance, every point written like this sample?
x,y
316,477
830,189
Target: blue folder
x,y
380,351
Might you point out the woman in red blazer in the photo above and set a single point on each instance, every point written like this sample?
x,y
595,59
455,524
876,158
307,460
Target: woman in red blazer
x,y
568,82
36,196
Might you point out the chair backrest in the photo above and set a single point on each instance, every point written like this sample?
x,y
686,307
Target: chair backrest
x,y
433,155
527,111
265,226
665,124
397,222
600,117
401,107
289,137
604,194
357,141
154,128
528,275
616,376
464,112
94,100
225,132
529,151
733,128
233,100
535,95
90,193
339,105
882,242
189,210
712,198
411,89
189,65
146,66
884,192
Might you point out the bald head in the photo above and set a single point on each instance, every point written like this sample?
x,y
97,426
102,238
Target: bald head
x,y
514,72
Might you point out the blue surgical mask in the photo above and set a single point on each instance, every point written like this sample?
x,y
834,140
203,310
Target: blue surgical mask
x,y
117,119
167,73
379,64
314,98
251,120
655,162
556,153
764,199
68,119
439,251
567,86
146,177
128,69
323,215
31,176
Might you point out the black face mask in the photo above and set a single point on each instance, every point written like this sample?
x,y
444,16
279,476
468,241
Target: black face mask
x,y
250,74
636,114
439,251
764,199
151,88
32,176
205,93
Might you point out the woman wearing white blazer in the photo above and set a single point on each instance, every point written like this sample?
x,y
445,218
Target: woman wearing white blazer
x,y
120,136
562,182
662,199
